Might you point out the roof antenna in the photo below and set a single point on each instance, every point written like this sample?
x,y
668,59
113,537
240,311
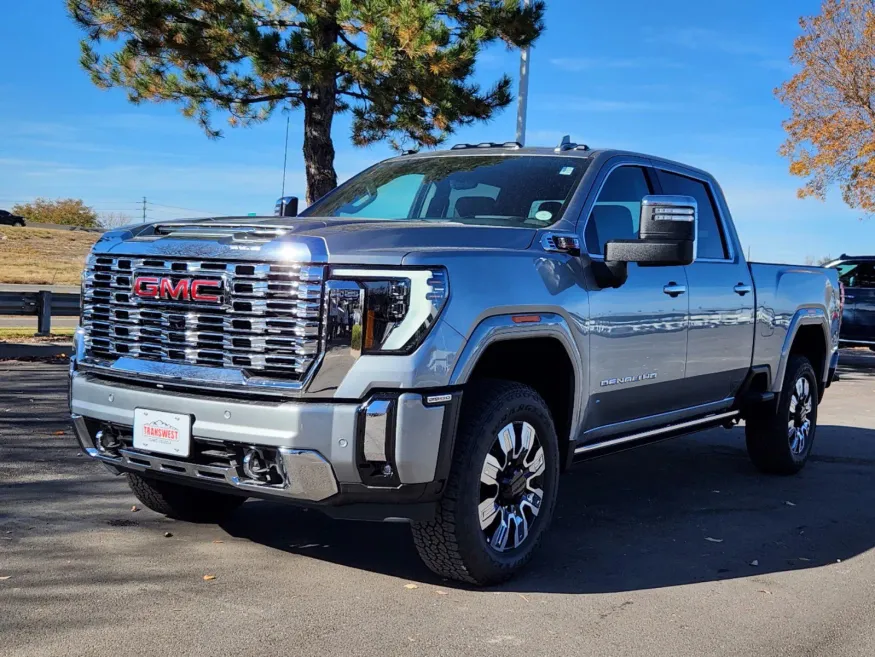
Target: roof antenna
x,y
564,145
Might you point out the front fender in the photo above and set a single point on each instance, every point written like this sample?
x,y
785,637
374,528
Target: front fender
x,y
503,327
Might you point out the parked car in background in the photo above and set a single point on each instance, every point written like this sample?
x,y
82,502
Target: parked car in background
x,y
857,275
9,219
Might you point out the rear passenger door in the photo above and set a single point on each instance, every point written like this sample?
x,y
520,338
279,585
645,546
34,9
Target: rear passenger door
x,y
721,296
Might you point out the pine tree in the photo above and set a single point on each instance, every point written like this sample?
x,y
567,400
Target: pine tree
x,y
402,67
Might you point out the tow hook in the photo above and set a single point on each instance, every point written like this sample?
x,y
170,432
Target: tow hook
x,y
255,465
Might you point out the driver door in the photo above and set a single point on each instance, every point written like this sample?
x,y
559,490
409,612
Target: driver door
x,y
638,331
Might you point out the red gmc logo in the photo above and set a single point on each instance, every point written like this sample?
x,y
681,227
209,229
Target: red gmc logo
x,y
186,289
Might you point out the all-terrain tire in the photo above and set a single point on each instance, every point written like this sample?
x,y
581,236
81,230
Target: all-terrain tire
x,y
453,545
183,502
767,430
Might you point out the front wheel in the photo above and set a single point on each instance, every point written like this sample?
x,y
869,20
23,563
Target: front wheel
x,y
779,441
502,487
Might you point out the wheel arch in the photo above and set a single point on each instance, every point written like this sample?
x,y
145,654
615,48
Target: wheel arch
x,y
549,361
808,335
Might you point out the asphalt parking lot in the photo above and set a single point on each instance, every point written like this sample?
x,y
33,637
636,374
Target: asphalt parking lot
x,y
680,548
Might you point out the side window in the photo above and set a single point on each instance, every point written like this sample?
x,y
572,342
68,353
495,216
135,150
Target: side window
x,y
857,274
710,239
617,209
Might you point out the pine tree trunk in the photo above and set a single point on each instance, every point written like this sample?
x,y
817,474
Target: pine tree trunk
x,y
318,148
318,117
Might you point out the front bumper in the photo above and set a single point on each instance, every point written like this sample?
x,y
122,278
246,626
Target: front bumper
x,y
388,450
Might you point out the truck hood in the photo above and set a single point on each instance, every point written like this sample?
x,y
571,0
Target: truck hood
x,y
345,240
389,241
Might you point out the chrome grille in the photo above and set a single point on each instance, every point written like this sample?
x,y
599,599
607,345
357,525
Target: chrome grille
x,y
268,322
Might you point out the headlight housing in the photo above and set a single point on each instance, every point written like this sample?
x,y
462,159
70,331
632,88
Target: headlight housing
x,y
384,311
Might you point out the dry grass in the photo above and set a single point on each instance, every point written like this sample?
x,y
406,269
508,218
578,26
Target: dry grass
x,y
45,257
28,334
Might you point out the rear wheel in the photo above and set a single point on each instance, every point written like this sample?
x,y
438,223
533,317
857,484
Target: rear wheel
x,y
502,487
183,502
779,440
18,224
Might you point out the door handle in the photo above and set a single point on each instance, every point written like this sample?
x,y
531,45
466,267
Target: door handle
x,y
742,289
674,290
848,296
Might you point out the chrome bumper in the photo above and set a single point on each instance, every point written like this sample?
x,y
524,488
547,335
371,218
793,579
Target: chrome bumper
x,y
306,474
320,447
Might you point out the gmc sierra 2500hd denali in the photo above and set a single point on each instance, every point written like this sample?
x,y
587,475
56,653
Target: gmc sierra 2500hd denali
x,y
438,338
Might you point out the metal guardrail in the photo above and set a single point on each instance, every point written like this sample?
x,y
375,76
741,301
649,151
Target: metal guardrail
x,y
44,304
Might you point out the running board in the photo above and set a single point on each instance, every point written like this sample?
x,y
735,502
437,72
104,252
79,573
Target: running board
x,y
653,433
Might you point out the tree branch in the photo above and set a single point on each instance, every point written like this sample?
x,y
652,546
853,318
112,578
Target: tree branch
x,y
349,43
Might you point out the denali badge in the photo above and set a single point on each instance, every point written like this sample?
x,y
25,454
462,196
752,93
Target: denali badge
x,y
185,289
629,379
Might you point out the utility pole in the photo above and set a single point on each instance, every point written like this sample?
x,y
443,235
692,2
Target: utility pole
x,y
523,96
285,157
144,209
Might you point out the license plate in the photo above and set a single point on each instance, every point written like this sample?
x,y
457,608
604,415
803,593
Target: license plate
x,y
164,433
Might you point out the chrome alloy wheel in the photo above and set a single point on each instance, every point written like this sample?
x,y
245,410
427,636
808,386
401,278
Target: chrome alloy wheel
x,y
510,486
799,423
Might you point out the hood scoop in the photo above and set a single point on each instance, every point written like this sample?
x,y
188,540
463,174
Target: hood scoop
x,y
236,232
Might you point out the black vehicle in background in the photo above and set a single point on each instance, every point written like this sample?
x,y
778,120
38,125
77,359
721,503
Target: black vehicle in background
x,y
857,275
9,219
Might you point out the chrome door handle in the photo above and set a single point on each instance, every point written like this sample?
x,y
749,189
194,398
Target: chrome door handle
x,y
742,289
674,290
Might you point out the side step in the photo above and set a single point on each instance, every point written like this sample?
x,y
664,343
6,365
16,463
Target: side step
x,y
653,435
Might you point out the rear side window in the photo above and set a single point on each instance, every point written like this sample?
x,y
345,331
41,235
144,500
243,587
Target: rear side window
x,y
709,238
857,274
617,210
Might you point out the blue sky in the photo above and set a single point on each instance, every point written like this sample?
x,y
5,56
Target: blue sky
x,y
682,78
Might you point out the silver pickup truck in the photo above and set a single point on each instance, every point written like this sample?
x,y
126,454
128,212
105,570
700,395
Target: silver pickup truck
x,y
438,338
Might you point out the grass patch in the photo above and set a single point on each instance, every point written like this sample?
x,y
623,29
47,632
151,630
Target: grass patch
x,y
43,257
27,333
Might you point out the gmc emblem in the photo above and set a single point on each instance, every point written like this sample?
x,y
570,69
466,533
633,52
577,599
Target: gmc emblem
x,y
185,289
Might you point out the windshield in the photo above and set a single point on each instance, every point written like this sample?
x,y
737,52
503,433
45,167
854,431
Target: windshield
x,y
513,190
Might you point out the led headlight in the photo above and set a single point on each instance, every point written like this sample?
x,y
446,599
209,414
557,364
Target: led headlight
x,y
386,311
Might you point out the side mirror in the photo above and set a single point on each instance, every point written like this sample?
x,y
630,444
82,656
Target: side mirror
x,y
287,206
666,236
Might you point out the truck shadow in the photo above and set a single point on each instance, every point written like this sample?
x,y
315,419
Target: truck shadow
x,y
685,511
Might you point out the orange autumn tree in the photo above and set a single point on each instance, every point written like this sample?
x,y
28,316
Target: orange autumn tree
x,y
831,129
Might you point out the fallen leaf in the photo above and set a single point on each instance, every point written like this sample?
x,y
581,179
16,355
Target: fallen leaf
x,y
5,577
523,597
764,591
411,586
134,509
168,534
789,503
441,592
218,541
714,540
58,433
755,562
207,578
